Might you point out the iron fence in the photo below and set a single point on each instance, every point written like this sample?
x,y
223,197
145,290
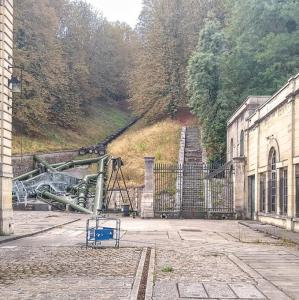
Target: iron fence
x,y
193,191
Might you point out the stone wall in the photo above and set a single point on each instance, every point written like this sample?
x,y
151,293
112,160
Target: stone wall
x,y
135,194
25,163
269,190
6,63
238,123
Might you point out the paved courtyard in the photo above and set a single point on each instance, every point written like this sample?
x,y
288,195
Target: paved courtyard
x,y
193,259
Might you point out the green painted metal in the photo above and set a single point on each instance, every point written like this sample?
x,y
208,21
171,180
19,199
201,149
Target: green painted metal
x,y
34,172
98,199
65,166
58,164
82,162
87,161
62,200
83,189
26,175
44,163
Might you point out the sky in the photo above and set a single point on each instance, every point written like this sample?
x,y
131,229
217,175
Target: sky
x,y
119,10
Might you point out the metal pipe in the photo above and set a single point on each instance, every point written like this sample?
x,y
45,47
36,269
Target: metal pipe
x,y
98,199
57,164
33,172
87,161
65,166
65,201
44,163
82,162
83,189
25,175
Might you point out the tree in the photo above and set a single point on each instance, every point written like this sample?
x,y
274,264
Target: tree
x,y
72,57
204,86
168,32
264,46
261,51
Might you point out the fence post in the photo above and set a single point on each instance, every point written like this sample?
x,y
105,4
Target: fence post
x,y
239,192
208,198
147,200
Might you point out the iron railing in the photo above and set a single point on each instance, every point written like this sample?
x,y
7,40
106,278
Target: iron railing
x,y
193,190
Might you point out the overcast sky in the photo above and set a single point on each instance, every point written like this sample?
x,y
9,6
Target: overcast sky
x,y
119,10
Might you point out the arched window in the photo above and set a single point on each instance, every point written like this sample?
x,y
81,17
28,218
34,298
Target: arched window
x,y
242,143
272,181
231,149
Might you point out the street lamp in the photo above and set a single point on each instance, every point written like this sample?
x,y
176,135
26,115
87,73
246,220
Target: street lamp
x,y
16,83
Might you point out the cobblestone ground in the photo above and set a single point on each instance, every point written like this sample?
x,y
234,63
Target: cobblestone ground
x,y
195,259
205,259
56,266
191,264
24,263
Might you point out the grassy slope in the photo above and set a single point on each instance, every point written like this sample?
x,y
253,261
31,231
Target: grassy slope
x,y
102,121
160,140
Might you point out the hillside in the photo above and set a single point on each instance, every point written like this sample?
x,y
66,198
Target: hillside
x,y
160,140
101,121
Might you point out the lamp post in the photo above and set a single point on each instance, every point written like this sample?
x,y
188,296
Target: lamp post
x,y
16,86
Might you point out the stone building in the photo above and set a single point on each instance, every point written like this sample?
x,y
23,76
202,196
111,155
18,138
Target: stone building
x,y
6,62
263,143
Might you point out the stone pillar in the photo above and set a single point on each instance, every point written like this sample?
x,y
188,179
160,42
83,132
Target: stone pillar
x,y
147,199
6,46
180,175
239,187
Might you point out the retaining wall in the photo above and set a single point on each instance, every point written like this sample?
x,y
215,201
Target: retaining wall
x,y
25,163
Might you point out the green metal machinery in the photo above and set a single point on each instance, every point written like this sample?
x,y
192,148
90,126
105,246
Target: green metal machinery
x,y
90,194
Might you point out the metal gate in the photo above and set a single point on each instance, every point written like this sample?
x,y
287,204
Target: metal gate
x,y
193,191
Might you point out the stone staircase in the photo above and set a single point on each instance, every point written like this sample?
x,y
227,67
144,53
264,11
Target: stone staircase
x,y
193,152
193,186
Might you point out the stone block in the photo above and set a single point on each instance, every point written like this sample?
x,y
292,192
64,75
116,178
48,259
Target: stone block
x,y
147,207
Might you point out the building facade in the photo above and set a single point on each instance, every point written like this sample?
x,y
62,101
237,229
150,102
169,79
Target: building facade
x,y
263,142
6,63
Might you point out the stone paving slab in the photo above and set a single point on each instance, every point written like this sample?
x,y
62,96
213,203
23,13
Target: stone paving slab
x,y
247,291
273,230
285,275
192,290
219,290
28,223
167,289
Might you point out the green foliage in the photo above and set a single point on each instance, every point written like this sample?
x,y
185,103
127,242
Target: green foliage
x,y
252,52
167,269
168,32
204,85
74,59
